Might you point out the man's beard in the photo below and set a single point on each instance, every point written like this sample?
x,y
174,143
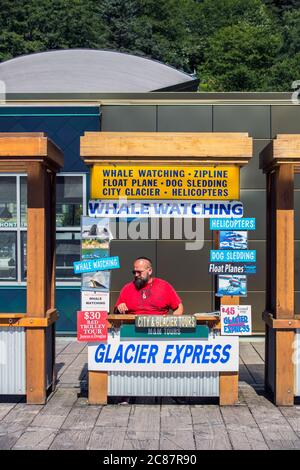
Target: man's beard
x,y
140,283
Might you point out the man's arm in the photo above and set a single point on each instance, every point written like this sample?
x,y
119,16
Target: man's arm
x,y
179,310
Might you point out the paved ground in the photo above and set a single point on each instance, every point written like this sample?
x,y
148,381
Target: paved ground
x,y
67,422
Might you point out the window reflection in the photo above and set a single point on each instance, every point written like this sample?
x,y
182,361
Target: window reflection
x,y
8,202
23,194
68,201
8,256
67,252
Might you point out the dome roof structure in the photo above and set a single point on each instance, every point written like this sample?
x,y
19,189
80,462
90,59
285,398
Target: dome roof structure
x,y
90,71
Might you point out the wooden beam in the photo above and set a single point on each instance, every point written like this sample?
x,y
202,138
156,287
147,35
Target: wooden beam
x,y
281,323
24,321
211,147
98,387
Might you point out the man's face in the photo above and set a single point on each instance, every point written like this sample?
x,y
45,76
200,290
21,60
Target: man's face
x,y
142,272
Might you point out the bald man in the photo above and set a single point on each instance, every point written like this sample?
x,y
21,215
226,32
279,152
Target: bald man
x,y
148,295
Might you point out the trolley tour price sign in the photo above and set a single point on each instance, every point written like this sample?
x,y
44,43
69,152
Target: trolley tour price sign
x,y
91,326
164,182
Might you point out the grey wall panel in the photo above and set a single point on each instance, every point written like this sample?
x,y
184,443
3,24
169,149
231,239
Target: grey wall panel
x,y
297,181
184,229
242,118
297,214
297,301
285,120
192,301
251,176
257,302
127,251
258,281
297,266
197,302
255,206
164,384
185,270
128,118
184,118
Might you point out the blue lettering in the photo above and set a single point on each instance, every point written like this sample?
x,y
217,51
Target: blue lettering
x,y
177,358
197,353
107,358
99,354
216,354
206,354
237,209
128,359
188,352
137,353
169,350
119,354
152,354
143,354
224,209
226,354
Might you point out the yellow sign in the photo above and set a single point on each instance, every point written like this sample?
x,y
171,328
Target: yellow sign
x,y
164,182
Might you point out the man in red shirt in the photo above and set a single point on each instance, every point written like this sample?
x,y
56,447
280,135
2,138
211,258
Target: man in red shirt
x,y
147,295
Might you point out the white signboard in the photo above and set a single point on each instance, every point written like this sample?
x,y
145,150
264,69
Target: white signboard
x,y
236,320
215,354
95,301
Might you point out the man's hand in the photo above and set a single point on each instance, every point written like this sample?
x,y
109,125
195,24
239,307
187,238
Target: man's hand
x,y
122,308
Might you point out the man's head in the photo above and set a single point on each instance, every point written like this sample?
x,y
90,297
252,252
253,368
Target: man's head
x,y
142,271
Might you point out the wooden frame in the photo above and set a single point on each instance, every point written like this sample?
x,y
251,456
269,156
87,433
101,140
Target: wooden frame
x,y
280,160
204,148
39,157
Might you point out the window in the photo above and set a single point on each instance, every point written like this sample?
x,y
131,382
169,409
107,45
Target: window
x,y
70,205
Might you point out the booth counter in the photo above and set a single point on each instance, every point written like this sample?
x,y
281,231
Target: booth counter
x,y
179,371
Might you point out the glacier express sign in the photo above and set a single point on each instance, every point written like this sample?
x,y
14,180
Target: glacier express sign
x,y
164,182
177,209
215,354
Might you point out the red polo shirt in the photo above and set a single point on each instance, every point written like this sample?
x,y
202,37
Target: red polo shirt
x,y
155,298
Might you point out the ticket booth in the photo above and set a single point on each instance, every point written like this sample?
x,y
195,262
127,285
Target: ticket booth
x,y
211,151
27,340
280,161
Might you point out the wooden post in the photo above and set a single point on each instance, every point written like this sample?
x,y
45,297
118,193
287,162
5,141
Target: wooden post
x,y
284,297
98,385
36,283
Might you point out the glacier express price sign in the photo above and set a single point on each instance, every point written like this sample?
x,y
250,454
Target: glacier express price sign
x,y
236,320
215,354
164,182
91,326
